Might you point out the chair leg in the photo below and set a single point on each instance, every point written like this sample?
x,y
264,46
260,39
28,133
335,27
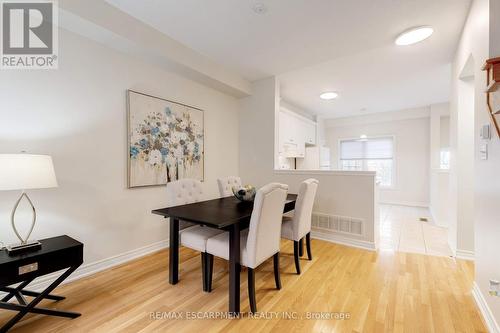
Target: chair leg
x,y
308,246
277,277
204,270
210,270
301,247
296,256
251,290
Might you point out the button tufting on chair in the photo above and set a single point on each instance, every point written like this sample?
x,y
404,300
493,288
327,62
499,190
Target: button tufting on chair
x,y
226,185
181,192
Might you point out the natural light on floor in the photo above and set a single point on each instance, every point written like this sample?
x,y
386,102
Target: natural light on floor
x,y
401,230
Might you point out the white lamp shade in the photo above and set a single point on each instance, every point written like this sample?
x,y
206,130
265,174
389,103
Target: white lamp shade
x,y
26,171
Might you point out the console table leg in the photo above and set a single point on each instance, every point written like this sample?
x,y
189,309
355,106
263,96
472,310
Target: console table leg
x,y
31,293
13,291
44,311
30,307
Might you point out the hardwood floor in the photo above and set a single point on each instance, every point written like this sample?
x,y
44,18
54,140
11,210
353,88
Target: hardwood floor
x,y
381,292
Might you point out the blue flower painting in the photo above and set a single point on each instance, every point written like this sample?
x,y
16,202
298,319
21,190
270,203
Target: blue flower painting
x,y
165,141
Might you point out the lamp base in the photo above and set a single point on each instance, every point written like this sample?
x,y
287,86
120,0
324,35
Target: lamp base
x,y
15,249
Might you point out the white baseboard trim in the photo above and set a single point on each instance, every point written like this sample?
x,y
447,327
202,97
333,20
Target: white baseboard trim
x,y
101,265
465,254
485,310
361,244
405,203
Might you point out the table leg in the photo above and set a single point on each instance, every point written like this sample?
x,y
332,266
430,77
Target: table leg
x,y
29,307
173,264
30,293
13,291
234,269
37,310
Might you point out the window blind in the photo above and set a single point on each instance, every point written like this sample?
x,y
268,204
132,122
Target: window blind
x,y
376,148
351,150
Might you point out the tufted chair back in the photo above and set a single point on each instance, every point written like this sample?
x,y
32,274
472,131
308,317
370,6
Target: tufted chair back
x,y
304,207
226,185
183,192
264,232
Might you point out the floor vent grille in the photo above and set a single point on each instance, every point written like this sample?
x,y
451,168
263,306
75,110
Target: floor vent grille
x,y
338,224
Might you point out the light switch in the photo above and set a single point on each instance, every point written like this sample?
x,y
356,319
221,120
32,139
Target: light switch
x,y
483,151
485,132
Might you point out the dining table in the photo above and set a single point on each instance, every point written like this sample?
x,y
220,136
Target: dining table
x,y
228,214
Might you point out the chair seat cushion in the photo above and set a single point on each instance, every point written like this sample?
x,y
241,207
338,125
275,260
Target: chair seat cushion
x,y
219,246
287,228
195,237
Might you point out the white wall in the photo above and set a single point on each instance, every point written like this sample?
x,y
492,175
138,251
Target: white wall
x,y
475,39
411,181
339,193
469,59
487,186
439,179
351,194
77,114
445,130
258,140
464,168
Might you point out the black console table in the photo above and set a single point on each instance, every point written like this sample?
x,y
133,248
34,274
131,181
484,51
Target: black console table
x,y
57,253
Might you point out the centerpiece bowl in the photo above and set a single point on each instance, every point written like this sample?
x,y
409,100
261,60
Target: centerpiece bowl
x,y
245,193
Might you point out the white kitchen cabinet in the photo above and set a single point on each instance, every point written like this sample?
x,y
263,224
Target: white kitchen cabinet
x,y
288,128
294,132
310,133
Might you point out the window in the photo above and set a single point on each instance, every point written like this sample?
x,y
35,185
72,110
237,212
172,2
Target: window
x,y
375,154
445,159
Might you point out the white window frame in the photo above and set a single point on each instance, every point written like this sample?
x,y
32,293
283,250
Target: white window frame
x,y
394,157
441,151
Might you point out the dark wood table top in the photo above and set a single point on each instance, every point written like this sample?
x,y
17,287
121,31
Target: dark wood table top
x,y
57,253
217,213
49,245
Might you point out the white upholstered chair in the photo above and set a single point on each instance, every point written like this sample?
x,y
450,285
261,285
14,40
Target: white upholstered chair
x,y
183,192
299,225
261,240
226,185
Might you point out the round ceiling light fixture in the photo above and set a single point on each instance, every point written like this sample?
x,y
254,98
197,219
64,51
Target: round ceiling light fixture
x,y
259,8
414,35
328,95
363,138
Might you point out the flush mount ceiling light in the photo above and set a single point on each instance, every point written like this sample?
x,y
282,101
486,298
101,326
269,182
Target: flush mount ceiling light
x,y
363,137
329,95
259,8
414,35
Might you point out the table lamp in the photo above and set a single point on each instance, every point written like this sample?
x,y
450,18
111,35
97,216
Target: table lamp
x,y
24,172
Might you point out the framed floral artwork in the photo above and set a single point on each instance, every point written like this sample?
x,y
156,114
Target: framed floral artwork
x,y
165,140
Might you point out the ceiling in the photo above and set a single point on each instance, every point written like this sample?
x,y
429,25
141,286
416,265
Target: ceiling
x,y
313,46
